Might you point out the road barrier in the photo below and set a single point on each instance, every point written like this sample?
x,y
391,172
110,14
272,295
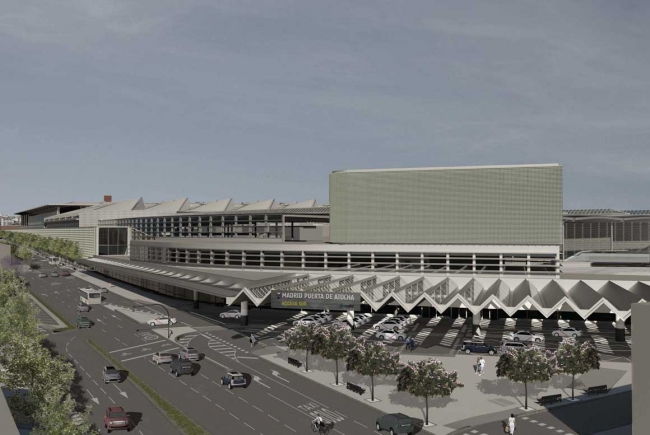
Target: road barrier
x,y
294,362
598,389
355,388
553,398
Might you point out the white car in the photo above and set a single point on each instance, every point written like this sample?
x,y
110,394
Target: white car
x,y
232,314
389,326
307,321
390,335
524,336
567,332
325,316
342,324
388,320
162,320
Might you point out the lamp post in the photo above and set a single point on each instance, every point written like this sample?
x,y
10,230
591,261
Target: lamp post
x,y
159,305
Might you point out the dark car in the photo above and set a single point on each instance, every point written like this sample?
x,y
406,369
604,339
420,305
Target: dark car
x,y
116,418
395,423
233,380
83,322
478,347
181,367
54,274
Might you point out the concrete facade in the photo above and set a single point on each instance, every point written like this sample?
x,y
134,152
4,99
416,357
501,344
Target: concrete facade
x,y
640,372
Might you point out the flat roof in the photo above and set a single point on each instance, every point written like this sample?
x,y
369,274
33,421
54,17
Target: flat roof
x,y
446,168
44,207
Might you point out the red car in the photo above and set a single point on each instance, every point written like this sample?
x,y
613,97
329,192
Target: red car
x,y
116,419
65,273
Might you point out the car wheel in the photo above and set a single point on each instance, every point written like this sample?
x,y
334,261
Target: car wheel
x,y
236,317
575,335
381,337
377,426
537,340
556,334
230,386
516,338
467,351
109,431
176,374
391,431
491,352
152,324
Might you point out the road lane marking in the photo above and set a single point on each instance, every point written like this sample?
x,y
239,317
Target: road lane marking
x,y
116,339
217,363
339,432
194,390
240,398
219,406
182,382
81,367
291,428
103,390
233,415
249,426
142,356
95,382
207,399
133,347
257,408
122,328
111,399
104,331
273,418
361,424
204,376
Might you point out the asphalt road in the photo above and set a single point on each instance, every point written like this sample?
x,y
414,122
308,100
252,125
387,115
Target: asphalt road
x,y
275,402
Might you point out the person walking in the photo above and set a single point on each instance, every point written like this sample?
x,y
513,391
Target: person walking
x,y
253,340
481,366
511,424
412,343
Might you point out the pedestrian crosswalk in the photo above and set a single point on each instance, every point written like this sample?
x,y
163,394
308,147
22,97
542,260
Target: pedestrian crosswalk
x,y
602,344
278,325
424,333
224,347
450,336
328,415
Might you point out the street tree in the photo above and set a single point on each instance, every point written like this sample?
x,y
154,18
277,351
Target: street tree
x,y
24,253
304,337
335,344
372,359
575,358
528,364
58,416
427,378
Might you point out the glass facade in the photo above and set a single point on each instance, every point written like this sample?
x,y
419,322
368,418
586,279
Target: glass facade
x,y
113,241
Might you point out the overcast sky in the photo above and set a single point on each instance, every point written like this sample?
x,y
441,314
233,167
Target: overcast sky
x,y
263,99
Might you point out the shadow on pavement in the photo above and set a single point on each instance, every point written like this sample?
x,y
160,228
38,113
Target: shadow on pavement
x,y
77,392
405,399
135,417
504,387
596,415
196,368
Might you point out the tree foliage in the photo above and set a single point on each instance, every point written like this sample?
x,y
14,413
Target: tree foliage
x,y
305,337
575,358
427,378
335,344
528,364
54,246
371,358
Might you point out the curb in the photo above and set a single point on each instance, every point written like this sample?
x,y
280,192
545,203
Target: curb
x,y
58,321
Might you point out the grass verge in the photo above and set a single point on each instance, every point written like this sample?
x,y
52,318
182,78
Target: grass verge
x,y
53,311
182,421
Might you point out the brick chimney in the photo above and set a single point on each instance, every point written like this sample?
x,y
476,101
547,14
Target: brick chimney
x,y
108,198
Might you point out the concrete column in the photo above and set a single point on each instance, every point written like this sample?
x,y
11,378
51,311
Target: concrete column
x,y
500,263
620,330
527,264
196,300
473,263
421,261
447,262
372,261
350,318
244,313
325,260
476,323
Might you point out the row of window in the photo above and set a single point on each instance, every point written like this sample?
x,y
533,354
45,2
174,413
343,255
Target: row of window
x,y
627,231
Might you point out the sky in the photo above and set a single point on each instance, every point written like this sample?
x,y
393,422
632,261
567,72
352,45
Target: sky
x,y
254,100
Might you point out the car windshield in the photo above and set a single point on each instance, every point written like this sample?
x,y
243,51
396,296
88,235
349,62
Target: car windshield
x,y
110,369
164,354
117,414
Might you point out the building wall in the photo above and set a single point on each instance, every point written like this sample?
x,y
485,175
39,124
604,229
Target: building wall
x,y
488,205
640,372
86,237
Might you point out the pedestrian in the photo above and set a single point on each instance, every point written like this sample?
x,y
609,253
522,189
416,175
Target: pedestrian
x,y
253,340
481,366
412,344
396,311
511,424
407,342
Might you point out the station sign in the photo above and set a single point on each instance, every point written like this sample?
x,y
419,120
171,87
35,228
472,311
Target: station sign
x,y
315,300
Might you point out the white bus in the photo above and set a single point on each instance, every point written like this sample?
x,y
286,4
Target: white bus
x,y
90,296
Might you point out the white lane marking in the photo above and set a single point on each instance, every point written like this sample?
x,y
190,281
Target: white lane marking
x,y
291,428
133,347
249,426
95,382
140,432
103,390
240,398
80,366
273,418
339,432
111,399
104,331
194,390
75,361
219,407
142,356
361,424
207,399
217,363
247,357
204,376
182,382
123,328
233,415
207,318
116,339
257,408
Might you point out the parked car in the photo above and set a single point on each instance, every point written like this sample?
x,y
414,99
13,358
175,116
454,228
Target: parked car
x,y
478,347
389,325
395,423
83,307
42,275
308,320
324,317
505,345
181,367
232,314
65,273
162,357
390,335
162,320
342,324
54,274
526,336
233,380
111,374
567,332
83,322
189,353
116,418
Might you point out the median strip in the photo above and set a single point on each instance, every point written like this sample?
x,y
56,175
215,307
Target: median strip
x,y
178,417
53,311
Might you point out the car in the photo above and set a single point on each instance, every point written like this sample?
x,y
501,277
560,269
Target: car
x,y
390,335
82,307
506,345
181,367
162,357
232,314
42,275
162,320
341,324
567,332
233,380
116,418
478,347
189,353
309,320
111,374
526,336
326,316
395,423
65,273
54,274
83,322
389,326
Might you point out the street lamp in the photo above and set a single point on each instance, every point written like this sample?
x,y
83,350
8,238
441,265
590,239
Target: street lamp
x,y
159,305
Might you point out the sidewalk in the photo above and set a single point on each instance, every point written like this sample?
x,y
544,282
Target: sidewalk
x,y
482,399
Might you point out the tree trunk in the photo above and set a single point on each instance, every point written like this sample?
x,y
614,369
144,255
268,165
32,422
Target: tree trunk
x,y
526,392
372,388
307,361
573,380
426,404
337,371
